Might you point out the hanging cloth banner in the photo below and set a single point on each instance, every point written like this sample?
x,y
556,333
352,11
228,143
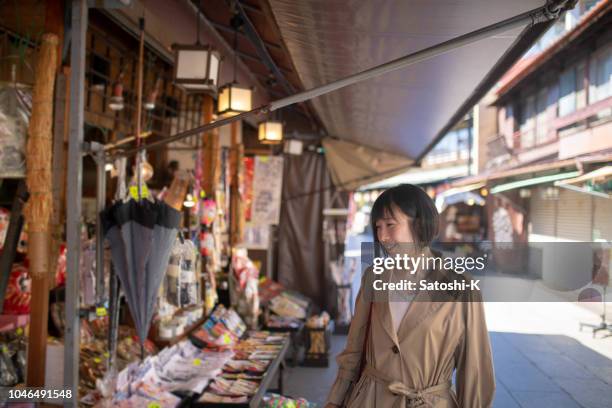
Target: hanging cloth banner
x,y
352,165
267,184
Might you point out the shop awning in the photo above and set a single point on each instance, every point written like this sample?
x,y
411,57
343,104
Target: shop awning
x,y
408,111
599,175
421,176
459,194
533,181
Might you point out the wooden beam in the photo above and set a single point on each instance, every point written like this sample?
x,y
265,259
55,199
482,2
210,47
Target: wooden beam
x,y
230,30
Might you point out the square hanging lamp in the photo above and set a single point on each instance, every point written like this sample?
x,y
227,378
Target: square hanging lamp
x,y
270,132
234,99
196,67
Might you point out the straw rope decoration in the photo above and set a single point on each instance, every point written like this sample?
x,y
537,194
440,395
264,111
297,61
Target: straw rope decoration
x,y
39,150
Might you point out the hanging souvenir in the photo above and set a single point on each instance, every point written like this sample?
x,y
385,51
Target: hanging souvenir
x,y
18,291
209,212
15,108
4,223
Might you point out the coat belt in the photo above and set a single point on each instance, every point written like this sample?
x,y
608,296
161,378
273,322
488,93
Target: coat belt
x,y
406,396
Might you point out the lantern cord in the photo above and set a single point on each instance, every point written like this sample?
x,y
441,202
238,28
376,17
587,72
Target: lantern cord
x,y
235,24
198,24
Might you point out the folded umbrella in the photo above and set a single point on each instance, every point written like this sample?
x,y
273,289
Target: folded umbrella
x,y
141,234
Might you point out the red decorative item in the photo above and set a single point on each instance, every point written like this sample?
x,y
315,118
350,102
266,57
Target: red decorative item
x,y
60,272
18,291
249,170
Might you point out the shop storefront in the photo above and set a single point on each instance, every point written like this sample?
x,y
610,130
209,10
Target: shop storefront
x,y
184,235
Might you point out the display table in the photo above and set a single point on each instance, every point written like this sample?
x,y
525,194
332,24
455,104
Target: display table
x,y
296,335
275,368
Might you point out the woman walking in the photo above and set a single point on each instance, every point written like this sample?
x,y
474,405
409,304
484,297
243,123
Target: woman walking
x,y
402,351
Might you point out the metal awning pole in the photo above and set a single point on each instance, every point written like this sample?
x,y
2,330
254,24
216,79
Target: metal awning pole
x,y
73,198
542,14
100,205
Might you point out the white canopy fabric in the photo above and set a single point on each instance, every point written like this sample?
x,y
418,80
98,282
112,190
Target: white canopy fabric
x,y
352,165
405,111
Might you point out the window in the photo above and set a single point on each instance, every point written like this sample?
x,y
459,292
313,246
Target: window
x,y
600,76
541,124
527,123
452,147
567,89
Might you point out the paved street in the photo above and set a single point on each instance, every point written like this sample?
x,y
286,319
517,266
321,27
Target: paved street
x,y
541,359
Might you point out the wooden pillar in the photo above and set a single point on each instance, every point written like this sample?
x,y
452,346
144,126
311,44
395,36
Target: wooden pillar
x,y
209,149
236,213
39,208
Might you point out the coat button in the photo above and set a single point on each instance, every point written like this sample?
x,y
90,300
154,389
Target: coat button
x,y
396,349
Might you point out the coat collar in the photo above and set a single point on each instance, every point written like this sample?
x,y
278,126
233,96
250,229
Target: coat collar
x,y
421,309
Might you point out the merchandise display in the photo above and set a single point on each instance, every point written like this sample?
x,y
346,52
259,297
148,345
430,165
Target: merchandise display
x,y
245,372
343,274
15,110
244,288
272,400
289,304
12,357
318,340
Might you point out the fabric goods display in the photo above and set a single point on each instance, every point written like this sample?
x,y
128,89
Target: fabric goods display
x,y
141,235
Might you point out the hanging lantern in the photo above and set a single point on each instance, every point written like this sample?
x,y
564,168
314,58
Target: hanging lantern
x,y
270,132
234,99
189,201
196,67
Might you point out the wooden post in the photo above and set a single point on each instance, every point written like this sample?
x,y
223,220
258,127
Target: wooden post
x,y
236,225
209,149
39,208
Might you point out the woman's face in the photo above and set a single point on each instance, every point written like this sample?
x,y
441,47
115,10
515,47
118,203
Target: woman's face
x,y
394,229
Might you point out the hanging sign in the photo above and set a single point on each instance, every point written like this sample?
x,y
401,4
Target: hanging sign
x,y
267,188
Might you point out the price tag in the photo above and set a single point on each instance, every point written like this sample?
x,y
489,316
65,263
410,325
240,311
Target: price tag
x,y
197,362
264,159
4,348
153,405
100,311
144,192
19,331
97,360
226,339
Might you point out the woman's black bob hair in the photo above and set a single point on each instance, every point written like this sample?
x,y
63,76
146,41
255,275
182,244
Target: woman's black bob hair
x,y
414,203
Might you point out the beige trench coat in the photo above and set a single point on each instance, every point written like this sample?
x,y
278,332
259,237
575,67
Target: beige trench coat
x,y
414,366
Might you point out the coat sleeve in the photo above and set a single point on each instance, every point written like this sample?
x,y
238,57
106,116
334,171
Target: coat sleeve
x,y
349,360
475,376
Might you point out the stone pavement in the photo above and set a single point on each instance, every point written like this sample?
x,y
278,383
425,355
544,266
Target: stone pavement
x,y
541,359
